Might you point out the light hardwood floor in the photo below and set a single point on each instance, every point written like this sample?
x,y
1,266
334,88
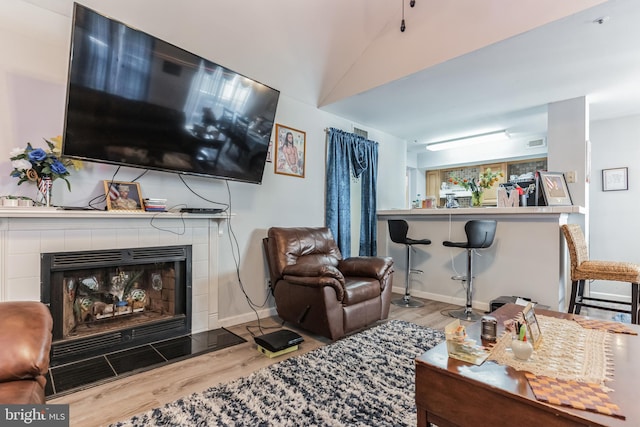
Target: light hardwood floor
x,y
120,399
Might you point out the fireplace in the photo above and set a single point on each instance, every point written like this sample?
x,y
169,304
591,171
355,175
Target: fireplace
x,y
109,300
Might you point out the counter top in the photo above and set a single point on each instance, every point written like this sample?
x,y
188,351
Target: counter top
x,y
529,210
528,257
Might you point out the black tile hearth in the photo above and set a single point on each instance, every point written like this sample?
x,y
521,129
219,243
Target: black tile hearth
x,y
218,338
74,375
65,379
177,348
134,359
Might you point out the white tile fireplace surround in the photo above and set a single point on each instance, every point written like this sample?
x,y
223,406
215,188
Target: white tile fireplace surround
x,y
26,233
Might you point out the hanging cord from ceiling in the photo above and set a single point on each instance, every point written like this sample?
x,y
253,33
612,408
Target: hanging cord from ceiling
x,y
403,27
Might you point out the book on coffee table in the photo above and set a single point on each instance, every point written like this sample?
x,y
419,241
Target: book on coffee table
x,y
460,347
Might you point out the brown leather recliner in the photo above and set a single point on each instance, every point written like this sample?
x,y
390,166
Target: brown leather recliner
x,y
317,290
25,343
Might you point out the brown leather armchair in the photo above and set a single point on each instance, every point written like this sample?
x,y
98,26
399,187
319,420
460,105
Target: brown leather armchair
x,y
317,290
25,342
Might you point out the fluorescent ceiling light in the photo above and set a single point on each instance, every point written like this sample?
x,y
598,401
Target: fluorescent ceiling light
x,y
466,141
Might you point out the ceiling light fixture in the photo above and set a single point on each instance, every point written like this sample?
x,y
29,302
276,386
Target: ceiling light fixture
x,y
403,27
466,141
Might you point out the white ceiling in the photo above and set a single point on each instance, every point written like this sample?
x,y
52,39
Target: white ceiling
x,y
460,67
507,85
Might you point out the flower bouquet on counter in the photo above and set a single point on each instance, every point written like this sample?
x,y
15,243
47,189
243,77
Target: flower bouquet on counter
x,y
478,185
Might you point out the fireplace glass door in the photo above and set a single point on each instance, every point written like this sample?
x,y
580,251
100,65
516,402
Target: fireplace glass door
x,y
109,300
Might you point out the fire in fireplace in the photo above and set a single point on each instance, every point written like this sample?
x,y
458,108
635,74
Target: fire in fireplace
x,y
108,300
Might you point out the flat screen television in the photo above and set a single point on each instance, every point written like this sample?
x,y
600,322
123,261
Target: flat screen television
x,y
136,100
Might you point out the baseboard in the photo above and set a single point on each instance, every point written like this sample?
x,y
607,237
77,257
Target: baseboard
x,y
478,305
247,317
615,297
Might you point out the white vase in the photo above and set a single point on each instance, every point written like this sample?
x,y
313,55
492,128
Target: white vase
x,y
522,350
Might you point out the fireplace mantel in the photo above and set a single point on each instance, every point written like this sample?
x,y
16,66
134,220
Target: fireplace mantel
x,y
36,212
25,233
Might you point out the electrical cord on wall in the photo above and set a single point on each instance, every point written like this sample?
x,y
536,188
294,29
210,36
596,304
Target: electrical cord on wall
x,y
226,206
235,252
184,227
102,198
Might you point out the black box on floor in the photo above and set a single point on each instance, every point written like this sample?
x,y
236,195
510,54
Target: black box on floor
x,y
500,301
278,340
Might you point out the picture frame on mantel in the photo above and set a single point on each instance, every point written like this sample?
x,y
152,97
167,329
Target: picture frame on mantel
x,y
290,151
615,179
555,189
123,196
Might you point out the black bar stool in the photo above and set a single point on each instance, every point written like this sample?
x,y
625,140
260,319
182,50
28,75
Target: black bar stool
x,y
398,229
480,235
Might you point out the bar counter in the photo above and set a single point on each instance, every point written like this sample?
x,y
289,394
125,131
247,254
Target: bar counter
x,y
528,257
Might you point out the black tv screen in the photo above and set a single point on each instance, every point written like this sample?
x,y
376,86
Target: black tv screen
x,y
136,100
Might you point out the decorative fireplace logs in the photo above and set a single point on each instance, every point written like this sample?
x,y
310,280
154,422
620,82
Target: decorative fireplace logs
x,y
90,299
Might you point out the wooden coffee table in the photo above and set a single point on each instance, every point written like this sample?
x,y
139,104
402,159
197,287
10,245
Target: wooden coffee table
x,y
450,392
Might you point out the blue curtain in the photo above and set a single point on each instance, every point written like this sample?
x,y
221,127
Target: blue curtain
x,y
364,160
348,152
338,211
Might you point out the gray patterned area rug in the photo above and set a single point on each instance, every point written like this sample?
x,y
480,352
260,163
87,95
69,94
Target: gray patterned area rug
x,y
366,379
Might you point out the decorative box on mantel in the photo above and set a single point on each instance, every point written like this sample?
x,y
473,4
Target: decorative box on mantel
x,y
27,233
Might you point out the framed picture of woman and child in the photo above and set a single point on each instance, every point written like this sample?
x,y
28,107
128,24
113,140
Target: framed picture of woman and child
x,y
290,151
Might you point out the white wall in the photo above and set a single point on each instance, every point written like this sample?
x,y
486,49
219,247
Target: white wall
x,y
33,72
614,225
567,136
392,165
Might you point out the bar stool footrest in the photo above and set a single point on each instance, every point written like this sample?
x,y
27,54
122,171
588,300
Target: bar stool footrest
x,y
407,302
464,314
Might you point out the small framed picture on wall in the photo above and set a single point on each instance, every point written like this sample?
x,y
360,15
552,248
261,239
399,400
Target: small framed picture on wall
x,y
615,179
